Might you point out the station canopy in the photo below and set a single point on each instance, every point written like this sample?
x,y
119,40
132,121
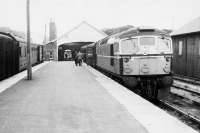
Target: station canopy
x,y
84,32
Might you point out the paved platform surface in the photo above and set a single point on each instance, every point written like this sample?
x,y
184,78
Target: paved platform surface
x,y
63,98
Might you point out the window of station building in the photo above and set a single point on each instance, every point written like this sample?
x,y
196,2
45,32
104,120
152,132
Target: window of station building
x,y
129,46
180,47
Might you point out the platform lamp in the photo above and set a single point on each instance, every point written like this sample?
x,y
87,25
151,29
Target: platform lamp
x,y
29,67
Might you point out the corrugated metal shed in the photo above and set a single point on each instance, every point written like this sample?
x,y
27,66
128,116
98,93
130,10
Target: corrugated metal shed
x,y
191,27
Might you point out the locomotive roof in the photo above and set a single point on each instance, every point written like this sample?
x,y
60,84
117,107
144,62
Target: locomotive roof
x,y
140,31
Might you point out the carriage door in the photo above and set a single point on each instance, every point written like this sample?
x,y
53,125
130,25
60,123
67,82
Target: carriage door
x,y
190,57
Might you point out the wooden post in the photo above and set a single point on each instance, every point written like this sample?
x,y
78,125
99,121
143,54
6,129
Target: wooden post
x,y
29,69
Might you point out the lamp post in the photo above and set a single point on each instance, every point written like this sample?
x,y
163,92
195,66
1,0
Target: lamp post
x,y
29,68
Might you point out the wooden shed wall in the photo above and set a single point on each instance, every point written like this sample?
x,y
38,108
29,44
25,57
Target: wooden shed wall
x,y
187,63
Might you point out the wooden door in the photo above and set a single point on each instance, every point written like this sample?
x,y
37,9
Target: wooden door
x,y
196,69
190,56
179,56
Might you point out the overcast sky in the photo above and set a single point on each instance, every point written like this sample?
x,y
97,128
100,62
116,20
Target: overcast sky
x,y
99,13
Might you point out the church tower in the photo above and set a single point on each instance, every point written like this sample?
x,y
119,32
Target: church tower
x,y
52,30
51,46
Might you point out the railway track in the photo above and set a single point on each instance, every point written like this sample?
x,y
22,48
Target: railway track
x,y
179,107
184,101
187,90
186,116
187,80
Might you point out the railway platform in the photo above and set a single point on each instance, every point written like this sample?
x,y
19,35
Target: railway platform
x,y
64,98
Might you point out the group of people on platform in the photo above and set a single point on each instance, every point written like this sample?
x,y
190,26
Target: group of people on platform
x,y
78,58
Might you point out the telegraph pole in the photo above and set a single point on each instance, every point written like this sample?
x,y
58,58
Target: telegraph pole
x,y
29,69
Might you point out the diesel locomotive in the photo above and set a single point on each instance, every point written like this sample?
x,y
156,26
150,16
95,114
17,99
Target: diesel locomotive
x,y
139,57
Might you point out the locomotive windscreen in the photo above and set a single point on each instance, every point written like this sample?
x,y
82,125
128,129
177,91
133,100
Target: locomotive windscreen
x,y
147,41
164,44
129,46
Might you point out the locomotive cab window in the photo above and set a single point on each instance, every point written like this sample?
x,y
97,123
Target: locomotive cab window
x,y
164,44
129,46
147,41
180,47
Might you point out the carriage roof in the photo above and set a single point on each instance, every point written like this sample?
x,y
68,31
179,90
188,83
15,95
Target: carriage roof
x,y
7,36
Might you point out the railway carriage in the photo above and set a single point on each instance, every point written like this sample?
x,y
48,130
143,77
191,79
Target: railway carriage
x,y
90,54
140,57
23,53
13,54
9,58
83,51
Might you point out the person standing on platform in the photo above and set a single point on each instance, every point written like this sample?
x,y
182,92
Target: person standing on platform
x,y
75,59
79,58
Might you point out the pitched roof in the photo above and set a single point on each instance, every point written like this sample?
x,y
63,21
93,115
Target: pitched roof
x,y
191,27
84,32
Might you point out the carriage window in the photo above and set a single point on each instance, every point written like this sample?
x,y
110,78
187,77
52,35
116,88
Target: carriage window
x,y
180,47
21,52
129,46
147,41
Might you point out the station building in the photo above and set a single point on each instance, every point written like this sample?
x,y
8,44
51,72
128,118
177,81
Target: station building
x,y
73,40
186,45
50,51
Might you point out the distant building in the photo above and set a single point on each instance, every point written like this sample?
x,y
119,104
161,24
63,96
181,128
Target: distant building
x,y
50,48
186,45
